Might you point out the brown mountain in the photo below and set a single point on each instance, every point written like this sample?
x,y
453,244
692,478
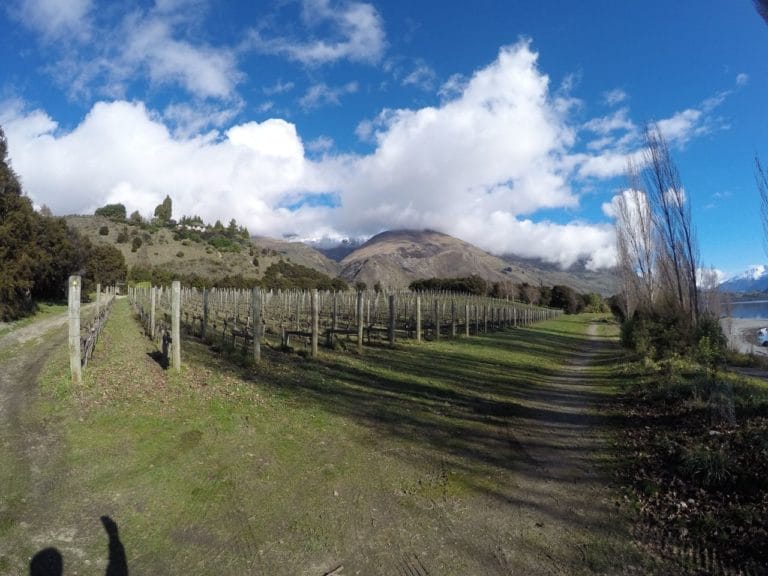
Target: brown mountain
x,y
396,258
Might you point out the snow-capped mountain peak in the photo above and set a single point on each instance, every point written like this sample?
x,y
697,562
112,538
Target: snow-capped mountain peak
x,y
754,279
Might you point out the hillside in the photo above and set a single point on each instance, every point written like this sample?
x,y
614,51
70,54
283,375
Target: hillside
x,y
396,258
159,247
393,258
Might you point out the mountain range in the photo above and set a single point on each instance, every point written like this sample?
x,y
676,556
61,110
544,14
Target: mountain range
x,y
755,279
392,259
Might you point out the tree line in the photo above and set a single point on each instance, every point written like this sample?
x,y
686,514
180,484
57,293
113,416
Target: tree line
x,y
38,251
558,296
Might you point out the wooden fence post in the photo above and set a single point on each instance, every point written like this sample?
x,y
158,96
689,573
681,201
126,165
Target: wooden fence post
x,y
453,318
392,319
335,317
437,319
152,305
466,317
418,318
176,324
205,314
98,299
256,323
75,367
360,320
314,308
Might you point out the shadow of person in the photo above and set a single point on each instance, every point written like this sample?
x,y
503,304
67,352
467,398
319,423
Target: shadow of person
x,y
117,564
47,562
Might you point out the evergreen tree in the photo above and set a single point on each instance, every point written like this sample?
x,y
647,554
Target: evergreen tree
x,y
164,211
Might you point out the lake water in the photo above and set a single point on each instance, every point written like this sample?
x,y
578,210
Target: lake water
x,y
754,309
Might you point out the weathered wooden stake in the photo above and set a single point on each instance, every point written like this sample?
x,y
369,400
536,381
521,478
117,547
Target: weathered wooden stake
x,y
205,314
437,319
256,323
74,329
335,318
418,318
98,299
176,325
466,317
315,311
360,320
392,319
453,318
153,303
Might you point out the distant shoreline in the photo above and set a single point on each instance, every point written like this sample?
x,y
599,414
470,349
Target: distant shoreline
x,y
741,334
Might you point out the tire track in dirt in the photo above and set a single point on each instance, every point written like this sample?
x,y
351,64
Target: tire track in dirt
x,y
32,445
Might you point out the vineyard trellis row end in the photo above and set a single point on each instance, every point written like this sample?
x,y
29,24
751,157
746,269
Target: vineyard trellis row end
x,y
82,342
230,319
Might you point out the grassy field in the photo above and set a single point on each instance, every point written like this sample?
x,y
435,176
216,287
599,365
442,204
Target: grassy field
x,y
441,458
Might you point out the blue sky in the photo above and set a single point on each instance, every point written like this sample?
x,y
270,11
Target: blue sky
x,y
505,123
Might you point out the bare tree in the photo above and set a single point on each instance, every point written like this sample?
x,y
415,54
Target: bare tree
x,y
676,239
762,8
635,242
761,177
656,243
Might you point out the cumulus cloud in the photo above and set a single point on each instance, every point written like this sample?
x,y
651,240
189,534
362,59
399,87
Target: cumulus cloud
x,y
482,164
123,153
357,35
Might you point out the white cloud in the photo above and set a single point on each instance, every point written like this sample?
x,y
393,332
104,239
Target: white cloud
x,y
480,165
615,96
279,87
150,44
619,120
357,30
422,76
55,19
121,152
202,70
321,94
742,79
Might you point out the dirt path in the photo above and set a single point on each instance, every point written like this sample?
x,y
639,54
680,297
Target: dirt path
x,y
564,501
29,447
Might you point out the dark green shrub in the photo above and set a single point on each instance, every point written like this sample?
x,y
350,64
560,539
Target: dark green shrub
x,y
104,231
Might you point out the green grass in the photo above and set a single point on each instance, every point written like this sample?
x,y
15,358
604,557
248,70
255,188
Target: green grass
x,y
294,465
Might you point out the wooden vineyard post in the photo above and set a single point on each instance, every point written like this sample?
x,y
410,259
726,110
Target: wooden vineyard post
x,y
98,299
453,318
315,322
359,321
466,318
392,319
176,325
153,303
74,329
418,318
205,314
437,319
335,319
256,323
